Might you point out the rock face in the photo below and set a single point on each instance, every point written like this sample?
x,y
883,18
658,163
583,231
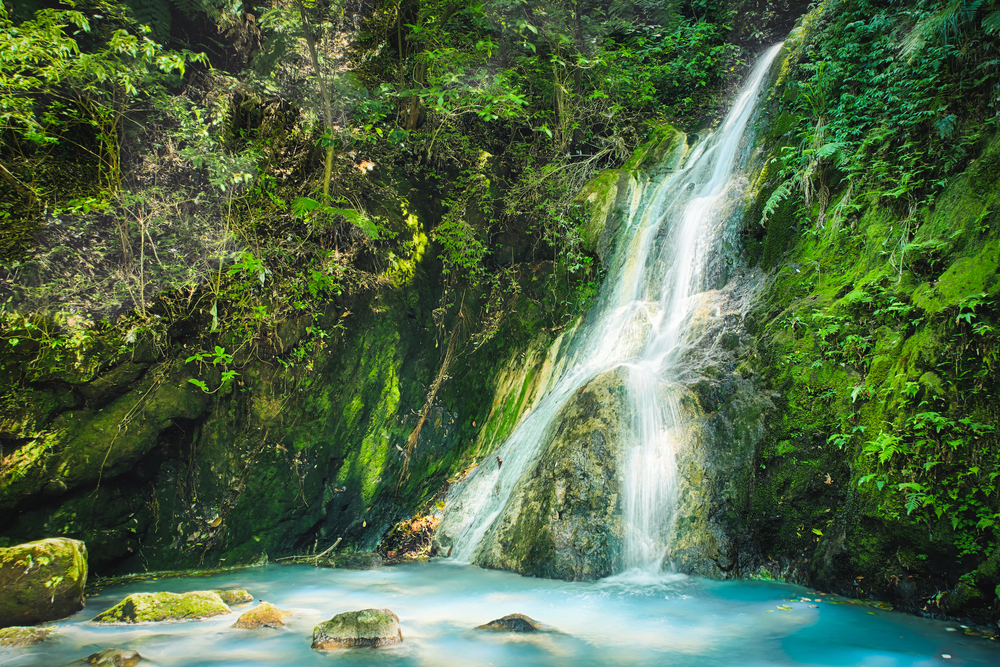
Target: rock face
x,y
512,623
264,615
23,636
235,596
564,520
368,627
155,607
113,657
42,581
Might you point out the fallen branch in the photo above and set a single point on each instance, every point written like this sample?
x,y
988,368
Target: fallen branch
x,y
305,558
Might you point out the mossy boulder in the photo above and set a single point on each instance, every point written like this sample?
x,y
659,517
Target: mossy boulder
x,y
564,520
23,636
42,581
264,615
512,623
368,627
156,607
235,596
112,657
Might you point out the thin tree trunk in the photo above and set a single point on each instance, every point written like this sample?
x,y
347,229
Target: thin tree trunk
x,y
324,91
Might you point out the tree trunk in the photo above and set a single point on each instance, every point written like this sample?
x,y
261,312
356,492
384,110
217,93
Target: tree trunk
x,y
324,91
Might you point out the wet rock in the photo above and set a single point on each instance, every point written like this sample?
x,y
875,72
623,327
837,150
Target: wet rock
x,y
235,596
368,627
113,657
23,636
156,607
362,560
512,623
564,520
42,581
264,615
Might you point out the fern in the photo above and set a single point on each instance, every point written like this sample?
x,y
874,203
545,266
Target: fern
x,y
991,24
152,13
305,207
779,195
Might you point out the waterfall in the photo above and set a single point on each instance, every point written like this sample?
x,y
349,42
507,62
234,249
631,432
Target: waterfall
x,y
644,321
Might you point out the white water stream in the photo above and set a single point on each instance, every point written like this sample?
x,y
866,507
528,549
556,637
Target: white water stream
x,y
659,279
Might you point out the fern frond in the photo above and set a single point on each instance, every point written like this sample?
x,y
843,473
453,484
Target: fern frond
x,y
779,195
991,24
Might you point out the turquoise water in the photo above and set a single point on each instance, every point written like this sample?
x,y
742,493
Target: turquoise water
x,y
669,620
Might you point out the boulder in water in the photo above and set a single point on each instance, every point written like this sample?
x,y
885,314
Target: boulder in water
x,y
368,627
156,607
512,623
264,615
235,596
113,657
42,581
563,520
23,636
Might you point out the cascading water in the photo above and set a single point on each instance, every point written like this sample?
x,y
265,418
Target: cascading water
x,y
643,321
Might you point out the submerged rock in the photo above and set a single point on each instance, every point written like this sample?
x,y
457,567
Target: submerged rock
x,y
362,560
156,607
113,657
235,596
368,627
42,581
23,636
512,623
564,519
264,615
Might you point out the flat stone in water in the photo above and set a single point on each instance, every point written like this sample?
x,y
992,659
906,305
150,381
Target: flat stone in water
x,y
23,636
512,623
156,607
264,615
368,627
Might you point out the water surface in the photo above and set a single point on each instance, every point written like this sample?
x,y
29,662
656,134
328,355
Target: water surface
x,y
663,620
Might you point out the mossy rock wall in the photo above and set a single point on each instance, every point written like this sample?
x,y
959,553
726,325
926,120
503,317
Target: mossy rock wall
x,y
871,342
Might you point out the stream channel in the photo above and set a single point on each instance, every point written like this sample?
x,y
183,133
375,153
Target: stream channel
x,y
632,619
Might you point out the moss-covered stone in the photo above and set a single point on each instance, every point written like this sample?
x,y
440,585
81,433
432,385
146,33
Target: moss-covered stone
x,y
235,596
564,519
42,581
157,607
264,615
512,623
112,657
24,636
368,627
